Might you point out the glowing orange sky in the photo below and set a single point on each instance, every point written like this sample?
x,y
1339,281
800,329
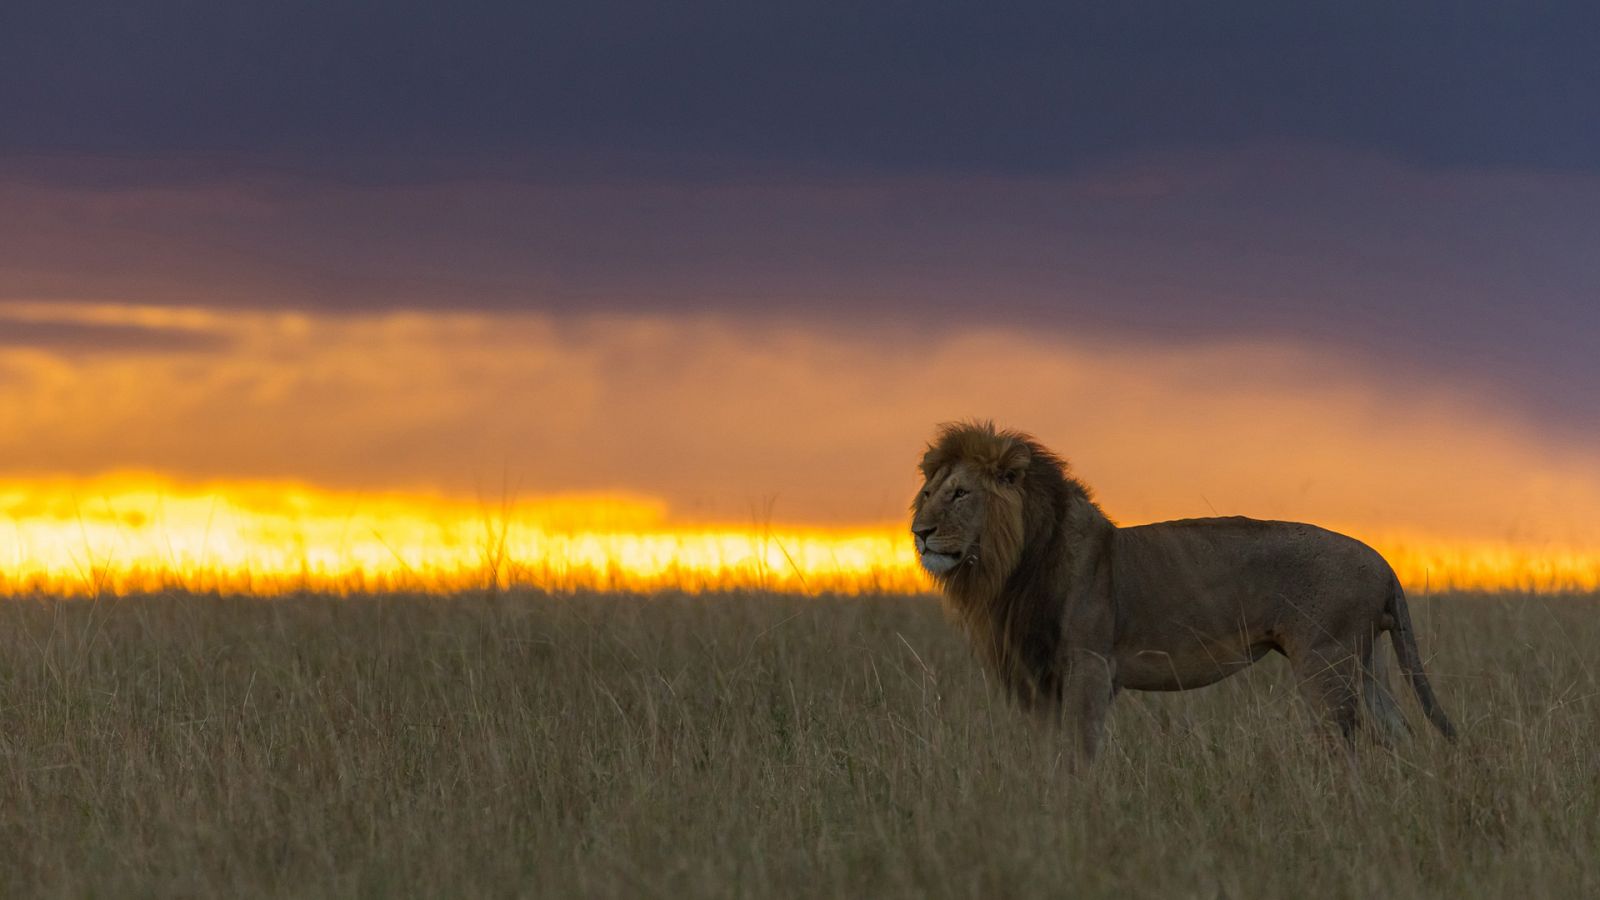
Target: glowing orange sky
x,y
717,424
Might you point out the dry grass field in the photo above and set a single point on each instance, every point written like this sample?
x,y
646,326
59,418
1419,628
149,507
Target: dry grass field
x,y
749,746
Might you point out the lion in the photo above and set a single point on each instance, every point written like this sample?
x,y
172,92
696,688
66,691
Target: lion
x,y
1067,608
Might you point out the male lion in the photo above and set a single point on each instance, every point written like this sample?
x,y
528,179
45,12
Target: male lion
x,y
1067,608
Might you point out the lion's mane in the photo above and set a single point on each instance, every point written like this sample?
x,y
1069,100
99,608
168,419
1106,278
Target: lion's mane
x,y
1009,599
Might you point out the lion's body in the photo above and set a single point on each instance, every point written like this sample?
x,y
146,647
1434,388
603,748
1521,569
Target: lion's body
x,y
1199,599
1068,608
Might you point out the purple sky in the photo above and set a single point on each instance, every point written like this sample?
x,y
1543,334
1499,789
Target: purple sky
x,y
396,90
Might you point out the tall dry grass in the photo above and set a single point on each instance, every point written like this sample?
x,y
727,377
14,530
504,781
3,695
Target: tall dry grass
x,y
746,745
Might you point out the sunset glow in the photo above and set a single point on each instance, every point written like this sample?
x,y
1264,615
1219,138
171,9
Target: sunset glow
x,y
286,451
132,534
129,534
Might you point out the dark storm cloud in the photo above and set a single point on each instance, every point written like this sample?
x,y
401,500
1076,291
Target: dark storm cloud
x,y
1486,278
381,90
75,338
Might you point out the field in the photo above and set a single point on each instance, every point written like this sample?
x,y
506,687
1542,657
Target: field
x,y
747,745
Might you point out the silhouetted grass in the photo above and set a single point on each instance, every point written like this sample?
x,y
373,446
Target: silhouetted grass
x,y
747,745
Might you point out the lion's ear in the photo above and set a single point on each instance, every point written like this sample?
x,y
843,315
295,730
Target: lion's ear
x,y
1013,463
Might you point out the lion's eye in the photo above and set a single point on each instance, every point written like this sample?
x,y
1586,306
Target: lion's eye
x,y
958,493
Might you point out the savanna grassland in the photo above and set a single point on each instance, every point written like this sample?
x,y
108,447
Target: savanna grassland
x,y
748,745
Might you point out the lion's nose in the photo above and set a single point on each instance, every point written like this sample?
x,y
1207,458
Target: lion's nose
x,y
923,532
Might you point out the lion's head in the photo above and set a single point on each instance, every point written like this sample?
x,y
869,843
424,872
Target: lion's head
x,y
968,516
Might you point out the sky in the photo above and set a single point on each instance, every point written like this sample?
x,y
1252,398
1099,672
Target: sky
x,y
1323,261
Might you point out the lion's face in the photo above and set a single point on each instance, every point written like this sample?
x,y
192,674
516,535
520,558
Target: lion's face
x,y
956,507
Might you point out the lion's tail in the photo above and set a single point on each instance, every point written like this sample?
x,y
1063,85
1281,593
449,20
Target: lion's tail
x,y
1405,648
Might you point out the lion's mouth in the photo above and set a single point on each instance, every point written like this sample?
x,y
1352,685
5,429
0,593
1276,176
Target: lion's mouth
x,y
939,563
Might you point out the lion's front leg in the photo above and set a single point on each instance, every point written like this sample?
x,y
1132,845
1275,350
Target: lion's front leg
x,y
1086,698
1087,666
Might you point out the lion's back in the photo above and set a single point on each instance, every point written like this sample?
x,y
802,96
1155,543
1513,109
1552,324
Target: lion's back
x,y
1233,564
1262,542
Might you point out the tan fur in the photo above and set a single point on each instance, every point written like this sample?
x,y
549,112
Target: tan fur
x,y
1067,608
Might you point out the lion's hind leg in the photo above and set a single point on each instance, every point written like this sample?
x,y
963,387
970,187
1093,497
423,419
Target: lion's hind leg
x,y
1330,678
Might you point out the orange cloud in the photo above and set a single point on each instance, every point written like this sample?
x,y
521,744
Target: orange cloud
x,y
713,418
